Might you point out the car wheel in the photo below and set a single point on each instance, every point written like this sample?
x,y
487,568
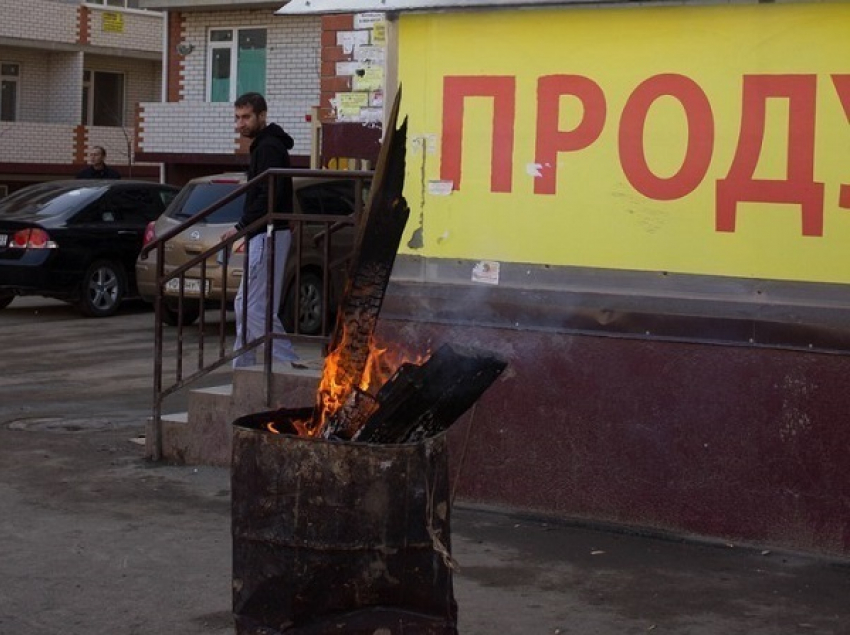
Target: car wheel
x,y
310,309
6,300
171,315
103,288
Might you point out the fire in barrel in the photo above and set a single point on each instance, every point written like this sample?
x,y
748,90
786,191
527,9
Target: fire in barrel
x,y
341,510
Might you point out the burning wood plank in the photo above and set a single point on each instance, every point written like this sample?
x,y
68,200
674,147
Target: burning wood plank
x,y
419,402
376,244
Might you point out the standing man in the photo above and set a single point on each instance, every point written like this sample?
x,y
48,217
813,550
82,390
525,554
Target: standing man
x,y
97,168
269,149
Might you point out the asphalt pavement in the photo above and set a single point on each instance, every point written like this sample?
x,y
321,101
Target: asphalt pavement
x,y
96,540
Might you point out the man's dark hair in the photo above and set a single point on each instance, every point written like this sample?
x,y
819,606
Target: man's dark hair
x,y
255,100
101,148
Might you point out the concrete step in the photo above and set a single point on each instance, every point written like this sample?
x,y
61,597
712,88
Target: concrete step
x,y
194,438
213,399
203,435
291,388
175,437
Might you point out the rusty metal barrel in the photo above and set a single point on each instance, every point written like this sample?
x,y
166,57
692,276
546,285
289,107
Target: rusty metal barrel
x,y
338,537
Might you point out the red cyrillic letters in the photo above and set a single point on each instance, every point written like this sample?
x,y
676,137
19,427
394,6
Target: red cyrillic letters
x,y
503,91
842,86
799,186
699,144
550,139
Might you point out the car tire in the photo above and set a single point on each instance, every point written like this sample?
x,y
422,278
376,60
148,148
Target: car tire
x,y
103,289
171,315
6,300
310,313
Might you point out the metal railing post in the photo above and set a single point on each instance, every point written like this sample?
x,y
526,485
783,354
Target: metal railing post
x,y
269,254
332,223
156,423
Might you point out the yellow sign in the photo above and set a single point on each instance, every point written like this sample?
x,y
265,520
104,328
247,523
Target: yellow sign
x,y
349,104
379,33
113,22
368,78
702,139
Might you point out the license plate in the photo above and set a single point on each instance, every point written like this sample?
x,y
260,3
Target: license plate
x,y
191,286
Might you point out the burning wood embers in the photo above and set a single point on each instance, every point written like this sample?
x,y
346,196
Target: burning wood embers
x,y
341,520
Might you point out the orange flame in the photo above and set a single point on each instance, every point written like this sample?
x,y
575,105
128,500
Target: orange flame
x,y
381,364
302,428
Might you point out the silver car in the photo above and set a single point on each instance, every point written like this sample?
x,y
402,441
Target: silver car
x,y
312,195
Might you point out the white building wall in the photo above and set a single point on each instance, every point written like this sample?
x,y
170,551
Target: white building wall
x,y
36,143
64,75
34,100
42,36
54,22
142,29
115,141
187,126
292,77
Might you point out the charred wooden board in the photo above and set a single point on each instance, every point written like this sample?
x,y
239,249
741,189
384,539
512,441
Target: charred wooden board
x,y
351,416
421,401
376,244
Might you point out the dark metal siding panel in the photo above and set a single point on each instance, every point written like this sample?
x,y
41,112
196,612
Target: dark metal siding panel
x,y
738,443
655,305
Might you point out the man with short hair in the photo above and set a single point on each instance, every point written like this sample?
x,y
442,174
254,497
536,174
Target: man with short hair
x,y
97,168
270,147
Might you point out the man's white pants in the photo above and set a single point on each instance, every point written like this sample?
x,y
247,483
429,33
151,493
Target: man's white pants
x,y
254,324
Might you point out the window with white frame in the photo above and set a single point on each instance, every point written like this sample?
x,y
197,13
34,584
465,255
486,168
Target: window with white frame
x,y
10,75
237,63
103,98
128,4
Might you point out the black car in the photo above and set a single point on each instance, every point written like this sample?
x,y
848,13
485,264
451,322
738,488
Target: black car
x,y
77,240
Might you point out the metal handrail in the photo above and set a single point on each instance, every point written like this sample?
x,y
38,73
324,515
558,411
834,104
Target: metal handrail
x,y
332,224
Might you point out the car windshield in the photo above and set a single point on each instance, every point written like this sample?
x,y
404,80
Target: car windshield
x,y
195,198
48,199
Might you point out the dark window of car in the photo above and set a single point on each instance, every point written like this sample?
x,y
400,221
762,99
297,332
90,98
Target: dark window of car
x,y
47,199
195,198
166,196
334,197
132,206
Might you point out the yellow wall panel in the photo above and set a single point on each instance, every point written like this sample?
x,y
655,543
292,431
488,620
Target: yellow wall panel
x,y
597,217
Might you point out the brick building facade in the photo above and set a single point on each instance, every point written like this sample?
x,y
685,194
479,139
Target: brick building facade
x,y
309,65
192,131
73,75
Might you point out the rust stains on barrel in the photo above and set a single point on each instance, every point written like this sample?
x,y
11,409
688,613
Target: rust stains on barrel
x,y
330,535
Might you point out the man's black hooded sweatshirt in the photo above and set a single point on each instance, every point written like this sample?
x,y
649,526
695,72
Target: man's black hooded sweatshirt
x,y
270,149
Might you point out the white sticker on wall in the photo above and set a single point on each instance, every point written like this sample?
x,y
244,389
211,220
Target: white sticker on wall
x,y
486,272
372,115
363,53
349,40
534,169
440,188
348,68
427,141
367,20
